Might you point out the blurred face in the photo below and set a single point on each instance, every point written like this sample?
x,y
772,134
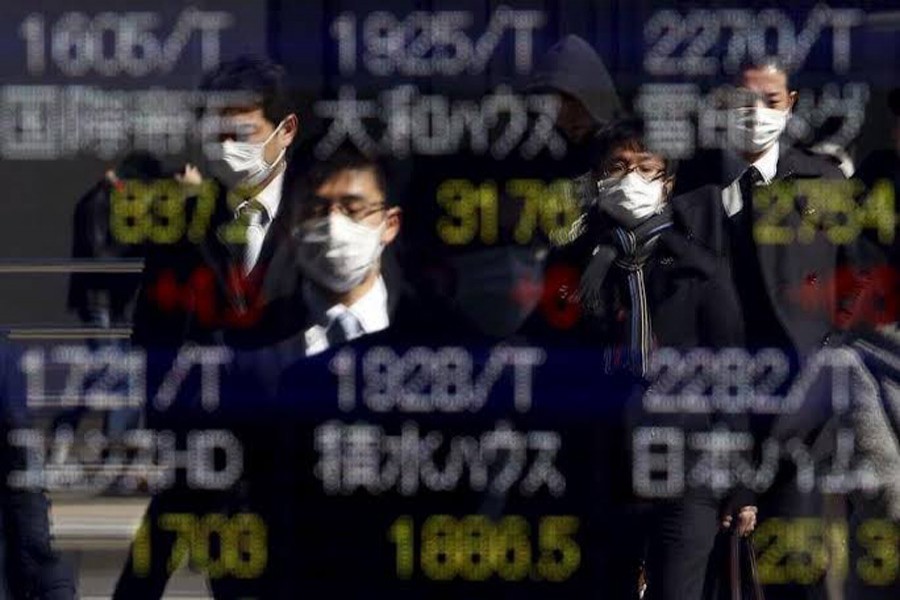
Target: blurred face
x,y
623,160
573,118
354,193
633,185
243,124
344,226
768,87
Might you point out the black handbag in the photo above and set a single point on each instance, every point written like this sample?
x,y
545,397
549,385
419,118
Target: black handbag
x,y
732,572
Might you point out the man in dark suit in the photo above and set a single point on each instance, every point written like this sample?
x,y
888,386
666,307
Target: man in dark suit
x,y
784,261
772,266
224,277
221,288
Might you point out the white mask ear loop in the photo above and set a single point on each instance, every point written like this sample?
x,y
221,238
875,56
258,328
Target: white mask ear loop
x,y
266,143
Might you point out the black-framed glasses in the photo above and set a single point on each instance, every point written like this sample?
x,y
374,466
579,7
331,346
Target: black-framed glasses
x,y
649,171
356,209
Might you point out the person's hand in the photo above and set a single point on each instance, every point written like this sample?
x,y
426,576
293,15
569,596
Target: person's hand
x,y
190,176
746,520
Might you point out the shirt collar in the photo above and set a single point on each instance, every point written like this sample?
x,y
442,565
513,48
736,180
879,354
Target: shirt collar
x,y
370,310
270,196
767,164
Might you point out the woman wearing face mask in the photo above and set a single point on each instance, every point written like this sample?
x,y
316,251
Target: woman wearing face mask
x,y
638,282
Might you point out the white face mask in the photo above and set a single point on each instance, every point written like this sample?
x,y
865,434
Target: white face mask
x,y
631,199
754,129
338,253
243,164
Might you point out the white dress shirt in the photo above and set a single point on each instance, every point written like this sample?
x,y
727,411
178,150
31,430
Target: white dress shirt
x,y
767,164
367,315
270,198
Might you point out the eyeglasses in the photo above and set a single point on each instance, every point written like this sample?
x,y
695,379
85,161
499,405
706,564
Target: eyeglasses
x,y
355,208
649,171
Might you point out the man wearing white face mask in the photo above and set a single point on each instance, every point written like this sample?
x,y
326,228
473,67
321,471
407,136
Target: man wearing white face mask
x,y
345,223
753,130
247,152
769,275
234,259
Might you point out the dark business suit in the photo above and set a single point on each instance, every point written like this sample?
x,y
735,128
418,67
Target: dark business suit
x,y
789,271
786,278
250,312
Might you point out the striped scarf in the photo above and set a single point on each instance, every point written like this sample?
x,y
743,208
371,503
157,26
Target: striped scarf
x,y
628,250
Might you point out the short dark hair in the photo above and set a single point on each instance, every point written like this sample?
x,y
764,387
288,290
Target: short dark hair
x,y
347,158
624,133
766,62
261,79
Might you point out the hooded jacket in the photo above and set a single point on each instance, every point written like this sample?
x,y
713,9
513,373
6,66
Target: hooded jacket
x,y
572,66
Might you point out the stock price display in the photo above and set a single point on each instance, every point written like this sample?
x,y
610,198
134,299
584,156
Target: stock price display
x,y
463,301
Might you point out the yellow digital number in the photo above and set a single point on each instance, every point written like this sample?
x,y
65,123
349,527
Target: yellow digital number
x,y
475,559
460,201
773,551
242,547
183,525
214,525
530,191
129,211
772,205
168,207
808,562
401,535
512,548
878,211
560,210
440,548
560,555
842,213
878,538
206,194
251,550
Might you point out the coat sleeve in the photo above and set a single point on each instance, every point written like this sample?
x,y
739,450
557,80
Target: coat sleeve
x,y
36,571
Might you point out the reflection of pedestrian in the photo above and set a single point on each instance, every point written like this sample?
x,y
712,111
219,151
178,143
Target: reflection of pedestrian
x,y
774,269
636,282
573,72
29,568
103,300
217,290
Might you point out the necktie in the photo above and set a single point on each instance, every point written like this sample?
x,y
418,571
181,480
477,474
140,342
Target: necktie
x,y
761,323
253,218
748,181
343,328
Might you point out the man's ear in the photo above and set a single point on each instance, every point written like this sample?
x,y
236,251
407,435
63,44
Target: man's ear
x,y
792,99
289,130
392,225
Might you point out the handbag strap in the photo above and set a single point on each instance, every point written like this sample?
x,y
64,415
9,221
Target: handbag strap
x,y
754,572
734,564
734,567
